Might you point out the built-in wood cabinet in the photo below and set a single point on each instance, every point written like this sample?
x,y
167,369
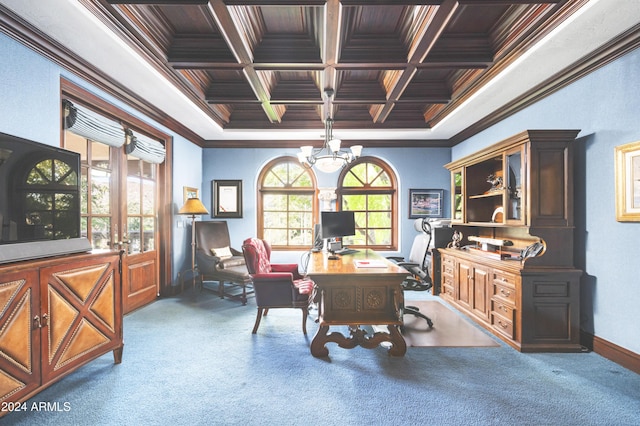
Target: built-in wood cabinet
x,y
55,316
514,195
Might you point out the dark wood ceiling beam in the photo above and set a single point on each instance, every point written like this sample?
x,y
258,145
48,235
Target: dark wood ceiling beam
x,y
504,2
219,12
159,2
426,42
330,52
275,2
392,2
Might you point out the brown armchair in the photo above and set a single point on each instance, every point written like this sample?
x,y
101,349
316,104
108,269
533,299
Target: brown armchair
x,y
217,261
275,285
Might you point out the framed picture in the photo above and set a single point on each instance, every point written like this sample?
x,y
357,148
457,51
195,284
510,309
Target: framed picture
x,y
627,168
227,198
188,192
425,203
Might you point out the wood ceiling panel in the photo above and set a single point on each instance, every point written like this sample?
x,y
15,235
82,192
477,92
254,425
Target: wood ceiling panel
x,y
266,64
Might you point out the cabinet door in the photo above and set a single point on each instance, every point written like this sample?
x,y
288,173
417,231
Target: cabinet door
x,y
457,196
465,291
481,296
19,337
515,186
84,307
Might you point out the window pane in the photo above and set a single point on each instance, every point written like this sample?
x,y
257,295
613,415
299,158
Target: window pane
x,y
133,196
148,202
354,202
379,220
149,233
275,219
274,202
101,232
100,193
300,202
84,192
100,155
276,236
133,227
379,202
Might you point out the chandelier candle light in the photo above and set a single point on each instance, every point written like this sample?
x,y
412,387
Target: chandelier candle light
x,y
329,158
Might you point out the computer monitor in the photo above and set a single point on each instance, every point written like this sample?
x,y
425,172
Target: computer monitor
x,y
337,224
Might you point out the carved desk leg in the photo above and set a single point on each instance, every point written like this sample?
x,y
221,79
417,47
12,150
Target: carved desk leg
x,y
319,340
399,346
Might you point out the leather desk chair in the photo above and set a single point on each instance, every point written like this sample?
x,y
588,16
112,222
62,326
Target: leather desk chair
x,y
217,261
275,285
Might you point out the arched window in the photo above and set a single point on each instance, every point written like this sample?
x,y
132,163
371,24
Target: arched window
x,y
368,187
287,204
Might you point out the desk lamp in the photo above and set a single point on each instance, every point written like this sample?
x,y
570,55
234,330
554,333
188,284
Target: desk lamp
x,y
193,207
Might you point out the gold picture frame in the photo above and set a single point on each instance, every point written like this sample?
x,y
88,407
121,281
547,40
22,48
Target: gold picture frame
x,y
627,169
189,192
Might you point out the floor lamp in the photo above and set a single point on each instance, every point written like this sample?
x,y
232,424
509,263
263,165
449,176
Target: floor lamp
x,y
192,207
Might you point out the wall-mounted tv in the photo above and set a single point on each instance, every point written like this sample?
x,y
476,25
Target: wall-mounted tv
x,y
39,200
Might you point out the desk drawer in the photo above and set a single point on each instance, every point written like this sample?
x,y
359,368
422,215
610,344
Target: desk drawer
x,y
502,325
507,294
504,278
448,265
505,310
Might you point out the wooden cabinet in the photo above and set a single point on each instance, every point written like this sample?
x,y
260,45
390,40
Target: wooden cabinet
x,y
56,315
516,194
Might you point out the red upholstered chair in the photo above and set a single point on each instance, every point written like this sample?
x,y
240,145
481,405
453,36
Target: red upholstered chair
x,y
275,285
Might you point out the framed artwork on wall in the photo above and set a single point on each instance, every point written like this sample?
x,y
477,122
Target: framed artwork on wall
x,y
227,198
188,192
627,168
425,203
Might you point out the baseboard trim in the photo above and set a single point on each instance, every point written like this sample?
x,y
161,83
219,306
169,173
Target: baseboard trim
x,y
613,352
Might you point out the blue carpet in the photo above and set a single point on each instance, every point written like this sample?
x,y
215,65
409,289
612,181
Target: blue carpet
x,y
192,360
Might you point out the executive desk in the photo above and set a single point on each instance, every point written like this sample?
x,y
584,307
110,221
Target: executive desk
x,y
355,296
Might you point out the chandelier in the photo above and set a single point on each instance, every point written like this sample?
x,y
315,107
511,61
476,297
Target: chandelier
x,y
329,158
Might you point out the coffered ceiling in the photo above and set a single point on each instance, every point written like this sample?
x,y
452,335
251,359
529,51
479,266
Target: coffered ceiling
x,y
410,73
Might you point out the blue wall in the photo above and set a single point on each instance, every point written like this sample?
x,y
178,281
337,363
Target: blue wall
x,y
415,168
605,105
30,108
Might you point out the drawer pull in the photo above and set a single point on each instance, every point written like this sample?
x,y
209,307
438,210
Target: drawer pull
x,y
505,293
503,325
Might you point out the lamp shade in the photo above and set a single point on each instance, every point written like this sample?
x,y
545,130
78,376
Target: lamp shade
x,y
193,206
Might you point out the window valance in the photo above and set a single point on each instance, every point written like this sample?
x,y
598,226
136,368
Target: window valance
x,y
91,125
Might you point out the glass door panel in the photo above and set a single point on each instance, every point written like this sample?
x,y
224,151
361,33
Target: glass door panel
x,y
514,166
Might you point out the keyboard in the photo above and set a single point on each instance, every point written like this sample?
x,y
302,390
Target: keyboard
x,y
346,251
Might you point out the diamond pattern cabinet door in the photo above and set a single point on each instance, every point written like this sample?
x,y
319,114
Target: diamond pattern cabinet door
x,y
84,308
19,336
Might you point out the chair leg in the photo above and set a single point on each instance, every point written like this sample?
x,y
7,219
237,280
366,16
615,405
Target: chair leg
x,y
258,318
413,310
305,314
243,298
221,289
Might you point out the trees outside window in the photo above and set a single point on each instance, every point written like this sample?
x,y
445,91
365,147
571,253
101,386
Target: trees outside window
x,y
368,187
287,204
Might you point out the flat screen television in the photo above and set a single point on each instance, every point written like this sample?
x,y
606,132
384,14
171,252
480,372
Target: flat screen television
x,y
39,200
337,224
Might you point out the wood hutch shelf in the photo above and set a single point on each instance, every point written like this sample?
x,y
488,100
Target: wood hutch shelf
x,y
518,192
56,315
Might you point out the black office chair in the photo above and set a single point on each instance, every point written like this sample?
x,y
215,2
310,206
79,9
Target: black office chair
x,y
417,265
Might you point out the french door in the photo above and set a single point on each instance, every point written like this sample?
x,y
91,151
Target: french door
x,y
120,200
122,194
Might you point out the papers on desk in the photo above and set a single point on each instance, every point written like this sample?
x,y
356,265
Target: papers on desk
x,y
366,263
